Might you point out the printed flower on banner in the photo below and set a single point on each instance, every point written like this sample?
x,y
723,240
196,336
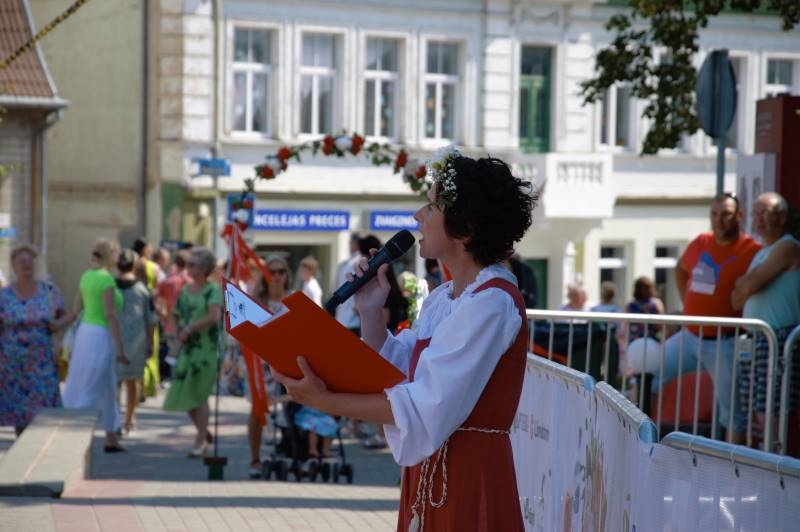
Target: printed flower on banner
x,y
595,499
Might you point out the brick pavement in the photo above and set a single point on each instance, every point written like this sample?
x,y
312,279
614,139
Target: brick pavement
x,y
155,487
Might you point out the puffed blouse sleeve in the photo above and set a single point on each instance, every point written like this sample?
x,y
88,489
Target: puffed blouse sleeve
x,y
451,374
397,349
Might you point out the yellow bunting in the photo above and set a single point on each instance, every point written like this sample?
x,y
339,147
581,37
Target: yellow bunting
x,y
44,31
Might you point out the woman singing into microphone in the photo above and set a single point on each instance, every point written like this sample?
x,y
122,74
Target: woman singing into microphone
x,y
449,422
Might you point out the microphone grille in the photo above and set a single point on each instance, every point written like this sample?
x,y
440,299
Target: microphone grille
x,y
400,243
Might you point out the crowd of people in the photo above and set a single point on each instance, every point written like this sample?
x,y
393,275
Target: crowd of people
x,y
141,315
723,273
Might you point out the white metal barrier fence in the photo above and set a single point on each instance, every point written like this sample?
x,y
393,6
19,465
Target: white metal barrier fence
x,y
590,342
586,458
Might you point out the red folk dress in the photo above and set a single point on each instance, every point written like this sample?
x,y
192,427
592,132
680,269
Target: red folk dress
x,y
469,483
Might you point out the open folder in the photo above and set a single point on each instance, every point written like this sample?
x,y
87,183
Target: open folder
x,y
335,354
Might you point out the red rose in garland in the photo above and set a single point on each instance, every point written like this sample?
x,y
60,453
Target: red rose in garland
x,y
284,153
358,142
400,162
327,145
379,154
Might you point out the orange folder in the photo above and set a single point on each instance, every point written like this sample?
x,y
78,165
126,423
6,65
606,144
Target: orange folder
x,y
335,354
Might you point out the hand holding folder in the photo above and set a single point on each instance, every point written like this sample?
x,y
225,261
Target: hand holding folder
x,y
335,354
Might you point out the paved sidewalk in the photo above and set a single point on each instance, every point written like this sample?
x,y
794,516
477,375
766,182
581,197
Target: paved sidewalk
x,y
155,487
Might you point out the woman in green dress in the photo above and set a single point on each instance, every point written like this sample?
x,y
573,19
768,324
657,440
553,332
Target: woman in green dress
x,y
196,319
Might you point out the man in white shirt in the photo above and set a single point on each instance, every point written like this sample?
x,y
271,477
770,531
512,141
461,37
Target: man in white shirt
x,y
346,312
308,273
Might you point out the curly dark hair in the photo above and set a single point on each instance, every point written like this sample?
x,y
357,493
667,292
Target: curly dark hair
x,y
492,208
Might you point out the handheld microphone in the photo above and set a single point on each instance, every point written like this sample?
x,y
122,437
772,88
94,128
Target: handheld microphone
x,y
395,248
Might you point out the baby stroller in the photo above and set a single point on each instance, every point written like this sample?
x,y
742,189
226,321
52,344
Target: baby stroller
x,y
290,453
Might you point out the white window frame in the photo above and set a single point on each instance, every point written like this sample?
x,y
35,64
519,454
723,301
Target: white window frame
x,y
439,80
249,69
336,73
380,77
672,301
774,89
611,127
618,264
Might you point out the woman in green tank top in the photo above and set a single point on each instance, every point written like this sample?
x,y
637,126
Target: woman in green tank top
x,y
91,381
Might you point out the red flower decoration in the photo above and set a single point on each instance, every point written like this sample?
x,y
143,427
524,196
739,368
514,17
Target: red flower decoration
x,y
266,172
421,171
328,145
357,142
283,154
400,162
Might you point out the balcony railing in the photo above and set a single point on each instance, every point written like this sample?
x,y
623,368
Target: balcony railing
x,y
572,185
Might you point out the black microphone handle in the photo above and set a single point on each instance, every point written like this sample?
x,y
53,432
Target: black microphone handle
x,y
346,291
398,245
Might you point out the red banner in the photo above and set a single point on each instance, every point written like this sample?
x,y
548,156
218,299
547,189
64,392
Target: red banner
x,y
239,273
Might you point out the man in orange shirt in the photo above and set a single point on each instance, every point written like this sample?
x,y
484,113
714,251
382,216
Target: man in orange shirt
x,y
705,277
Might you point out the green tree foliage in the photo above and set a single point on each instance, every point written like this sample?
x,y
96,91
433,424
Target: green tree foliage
x,y
666,86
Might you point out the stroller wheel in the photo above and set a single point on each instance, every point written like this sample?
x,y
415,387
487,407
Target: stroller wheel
x,y
279,467
335,473
313,469
326,471
267,466
297,471
347,471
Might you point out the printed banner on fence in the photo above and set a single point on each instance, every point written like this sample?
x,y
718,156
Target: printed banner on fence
x,y
549,430
581,467
617,454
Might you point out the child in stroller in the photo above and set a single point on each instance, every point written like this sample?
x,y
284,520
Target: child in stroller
x,y
304,447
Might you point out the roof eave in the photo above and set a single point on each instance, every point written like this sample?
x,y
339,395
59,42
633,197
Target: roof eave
x,y
33,102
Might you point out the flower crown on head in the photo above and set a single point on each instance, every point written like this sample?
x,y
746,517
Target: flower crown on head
x,y
441,170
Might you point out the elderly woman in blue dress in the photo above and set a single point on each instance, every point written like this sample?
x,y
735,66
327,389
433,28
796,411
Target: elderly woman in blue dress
x,y
30,312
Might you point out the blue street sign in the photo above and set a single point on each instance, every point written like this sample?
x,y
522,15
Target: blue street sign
x,y
392,220
214,167
285,220
8,232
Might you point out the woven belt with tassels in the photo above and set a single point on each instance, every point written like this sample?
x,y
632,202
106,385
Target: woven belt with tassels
x,y
417,523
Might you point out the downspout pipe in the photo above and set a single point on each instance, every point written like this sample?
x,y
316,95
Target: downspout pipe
x,y
144,153
51,120
216,148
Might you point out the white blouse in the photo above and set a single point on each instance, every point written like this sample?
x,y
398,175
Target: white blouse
x,y
468,336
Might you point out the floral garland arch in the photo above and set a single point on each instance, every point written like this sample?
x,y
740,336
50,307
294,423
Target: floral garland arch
x,y
379,154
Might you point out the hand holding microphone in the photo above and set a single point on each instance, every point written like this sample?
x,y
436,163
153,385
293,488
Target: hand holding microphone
x,y
372,296
394,248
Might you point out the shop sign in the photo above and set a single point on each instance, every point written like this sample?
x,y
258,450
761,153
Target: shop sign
x,y
392,220
286,220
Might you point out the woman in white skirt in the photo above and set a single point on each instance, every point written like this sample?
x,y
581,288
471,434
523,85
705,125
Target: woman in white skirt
x,y
92,381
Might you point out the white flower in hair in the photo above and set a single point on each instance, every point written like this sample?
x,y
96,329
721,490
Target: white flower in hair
x,y
441,170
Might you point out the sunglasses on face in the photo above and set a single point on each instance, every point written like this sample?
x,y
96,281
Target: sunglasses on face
x,y
281,271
